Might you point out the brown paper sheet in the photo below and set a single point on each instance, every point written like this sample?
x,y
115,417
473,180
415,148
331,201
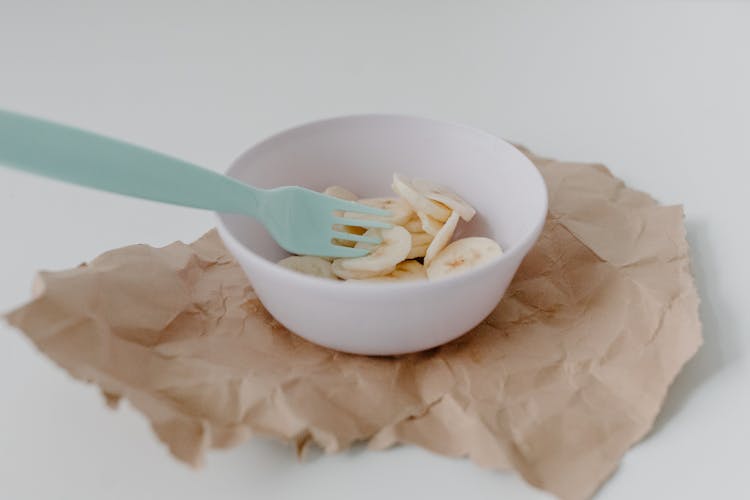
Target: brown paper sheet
x,y
557,383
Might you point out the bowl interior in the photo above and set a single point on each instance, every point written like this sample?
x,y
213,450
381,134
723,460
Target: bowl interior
x,y
361,153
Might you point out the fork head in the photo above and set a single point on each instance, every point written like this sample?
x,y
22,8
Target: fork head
x,y
302,222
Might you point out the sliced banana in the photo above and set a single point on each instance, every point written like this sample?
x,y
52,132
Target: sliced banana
x,y
442,238
403,187
424,218
417,252
347,229
442,194
383,259
340,192
400,210
422,238
414,225
462,255
307,264
344,194
430,225
419,244
408,270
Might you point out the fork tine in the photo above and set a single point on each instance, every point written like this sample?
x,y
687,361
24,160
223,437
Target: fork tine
x,y
341,251
353,206
340,235
344,221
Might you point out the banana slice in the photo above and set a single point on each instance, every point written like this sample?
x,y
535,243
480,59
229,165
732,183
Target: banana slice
x,y
383,259
418,239
344,194
420,242
442,238
307,264
462,255
403,187
442,194
400,210
429,225
417,252
340,192
408,270
350,230
414,225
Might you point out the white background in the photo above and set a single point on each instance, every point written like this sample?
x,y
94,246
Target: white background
x,y
660,92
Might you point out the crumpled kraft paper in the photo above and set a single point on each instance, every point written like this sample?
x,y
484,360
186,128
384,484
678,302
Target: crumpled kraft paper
x,y
557,383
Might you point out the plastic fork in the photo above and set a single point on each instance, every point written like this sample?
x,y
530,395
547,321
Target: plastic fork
x,y
300,220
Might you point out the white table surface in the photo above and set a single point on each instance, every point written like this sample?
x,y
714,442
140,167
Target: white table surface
x,y
660,92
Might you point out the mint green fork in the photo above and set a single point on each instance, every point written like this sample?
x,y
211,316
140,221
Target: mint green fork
x,y
300,220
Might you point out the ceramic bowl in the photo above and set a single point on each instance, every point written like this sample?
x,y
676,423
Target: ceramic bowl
x,y
362,153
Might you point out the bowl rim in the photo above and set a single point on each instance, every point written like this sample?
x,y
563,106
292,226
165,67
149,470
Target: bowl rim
x,y
524,244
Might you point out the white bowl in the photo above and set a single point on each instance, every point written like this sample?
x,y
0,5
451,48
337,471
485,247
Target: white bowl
x,y
362,153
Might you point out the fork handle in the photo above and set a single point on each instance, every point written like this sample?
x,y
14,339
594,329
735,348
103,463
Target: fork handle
x,y
79,157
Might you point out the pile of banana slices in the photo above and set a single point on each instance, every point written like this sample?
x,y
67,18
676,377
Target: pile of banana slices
x,y
424,217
